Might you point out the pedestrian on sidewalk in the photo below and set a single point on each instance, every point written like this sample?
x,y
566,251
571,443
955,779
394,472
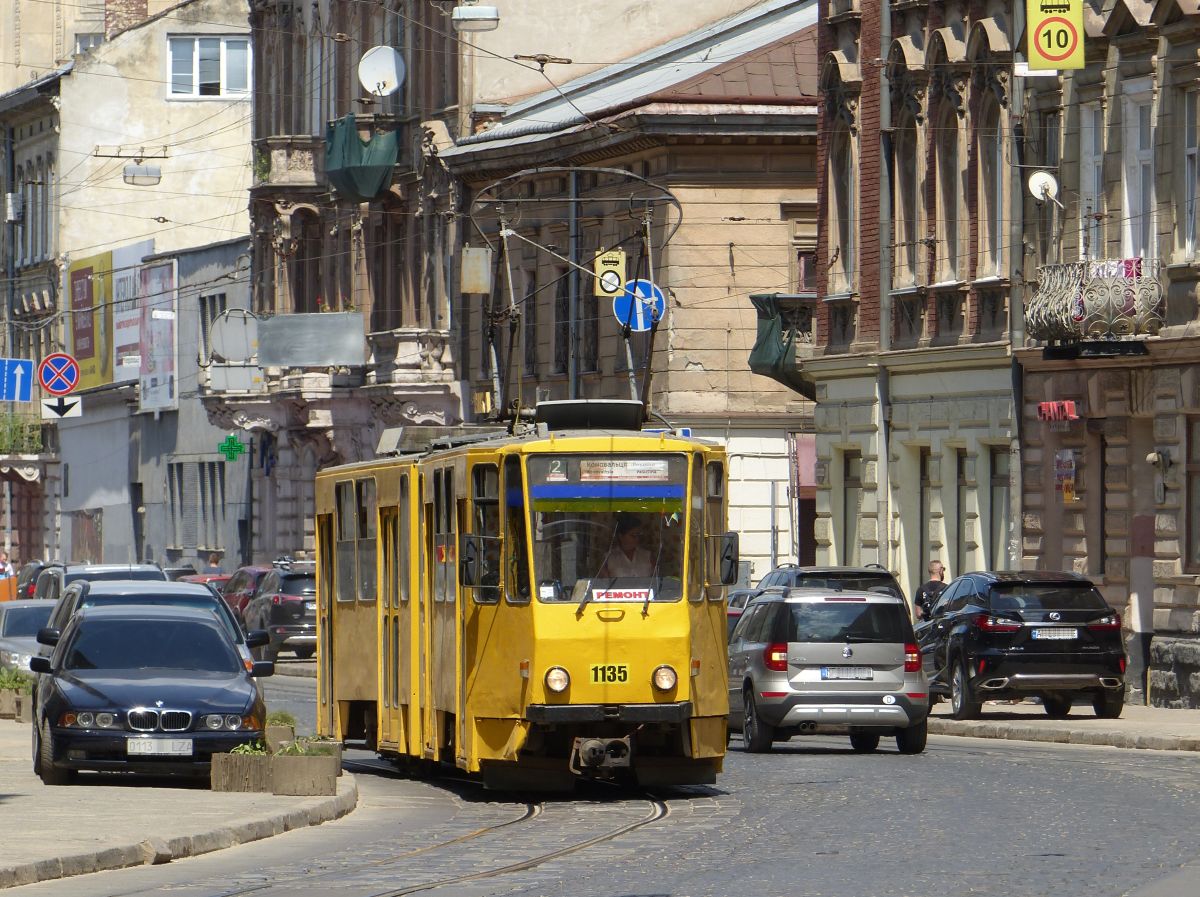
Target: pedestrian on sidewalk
x,y
214,564
928,593
7,568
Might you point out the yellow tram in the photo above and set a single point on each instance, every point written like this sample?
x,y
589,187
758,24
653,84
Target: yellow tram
x,y
533,609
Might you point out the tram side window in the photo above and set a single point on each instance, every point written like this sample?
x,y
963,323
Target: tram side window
x,y
516,546
347,521
696,552
444,577
403,552
714,525
365,533
485,496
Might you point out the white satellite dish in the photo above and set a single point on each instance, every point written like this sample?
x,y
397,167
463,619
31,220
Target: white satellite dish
x,y
381,71
1044,186
234,336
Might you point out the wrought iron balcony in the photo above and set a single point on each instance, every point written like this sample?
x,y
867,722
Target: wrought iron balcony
x,y
1098,299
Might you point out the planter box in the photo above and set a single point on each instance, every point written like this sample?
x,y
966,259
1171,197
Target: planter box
x,y
276,737
304,775
24,708
8,703
241,772
333,747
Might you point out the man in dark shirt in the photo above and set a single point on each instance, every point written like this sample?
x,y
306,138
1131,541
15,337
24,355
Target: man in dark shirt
x,y
928,593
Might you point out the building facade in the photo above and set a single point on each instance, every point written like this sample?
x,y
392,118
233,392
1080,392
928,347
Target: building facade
x,y
912,370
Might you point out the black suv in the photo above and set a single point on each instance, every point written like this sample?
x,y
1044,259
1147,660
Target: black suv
x,y
871,578
1022,634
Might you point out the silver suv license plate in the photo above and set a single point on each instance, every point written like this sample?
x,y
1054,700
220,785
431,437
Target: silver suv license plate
x,y
846,673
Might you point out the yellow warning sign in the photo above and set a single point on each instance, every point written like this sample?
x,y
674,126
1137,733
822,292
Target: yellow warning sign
x,y
609,268
1054,30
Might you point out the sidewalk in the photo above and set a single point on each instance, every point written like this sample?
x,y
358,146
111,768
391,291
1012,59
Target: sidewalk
x,y
1148,728
113,822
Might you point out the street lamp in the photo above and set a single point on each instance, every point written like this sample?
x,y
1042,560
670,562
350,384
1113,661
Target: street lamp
x,y
142,175
470,16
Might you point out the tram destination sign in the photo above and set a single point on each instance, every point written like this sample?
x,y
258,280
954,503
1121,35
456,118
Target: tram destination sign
x,y
1054,33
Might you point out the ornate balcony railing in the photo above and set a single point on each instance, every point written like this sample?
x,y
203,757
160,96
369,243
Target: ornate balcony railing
x,y
1100,299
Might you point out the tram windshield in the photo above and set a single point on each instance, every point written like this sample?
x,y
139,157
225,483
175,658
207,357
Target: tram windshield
x,y
608,528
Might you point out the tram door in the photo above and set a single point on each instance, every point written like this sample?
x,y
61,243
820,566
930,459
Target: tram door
x,y
325,660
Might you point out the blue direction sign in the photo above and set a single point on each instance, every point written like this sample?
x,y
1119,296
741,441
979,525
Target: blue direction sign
x,y
16,380
640,305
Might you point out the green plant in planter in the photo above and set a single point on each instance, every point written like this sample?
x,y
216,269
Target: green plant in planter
x,y
250,747
15,680
303,747
281,718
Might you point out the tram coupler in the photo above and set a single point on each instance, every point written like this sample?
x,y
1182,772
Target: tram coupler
x,y
597,755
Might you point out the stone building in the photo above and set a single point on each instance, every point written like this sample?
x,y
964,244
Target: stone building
x,y
724,118
912,365
1111,393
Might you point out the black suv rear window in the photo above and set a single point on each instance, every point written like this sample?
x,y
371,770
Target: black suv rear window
x,y
848,621
857,582
298,584
1033,596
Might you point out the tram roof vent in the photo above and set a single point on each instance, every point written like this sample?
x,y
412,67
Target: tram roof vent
x,y
591,414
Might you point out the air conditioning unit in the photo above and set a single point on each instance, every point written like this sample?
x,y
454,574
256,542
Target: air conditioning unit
x,y
13,208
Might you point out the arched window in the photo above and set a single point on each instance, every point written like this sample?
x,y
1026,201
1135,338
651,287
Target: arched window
x,y
948,198
842,211
906,206
989,142
306,268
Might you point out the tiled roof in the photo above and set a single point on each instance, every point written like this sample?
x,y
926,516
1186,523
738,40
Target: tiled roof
x,y
785,70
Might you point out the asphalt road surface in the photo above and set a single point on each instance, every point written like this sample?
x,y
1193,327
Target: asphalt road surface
x,y
812,819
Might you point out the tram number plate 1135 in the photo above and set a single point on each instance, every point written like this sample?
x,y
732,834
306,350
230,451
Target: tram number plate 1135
x,y
611,672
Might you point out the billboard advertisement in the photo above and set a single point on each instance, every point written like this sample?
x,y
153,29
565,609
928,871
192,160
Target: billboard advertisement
x,y
126,313
156,375
90,281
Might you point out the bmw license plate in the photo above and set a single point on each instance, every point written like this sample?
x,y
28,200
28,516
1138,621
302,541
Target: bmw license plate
x,y
846,673
1058,633
158,747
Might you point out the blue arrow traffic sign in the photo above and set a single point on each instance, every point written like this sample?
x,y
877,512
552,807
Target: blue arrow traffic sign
x,y
16,380
640,305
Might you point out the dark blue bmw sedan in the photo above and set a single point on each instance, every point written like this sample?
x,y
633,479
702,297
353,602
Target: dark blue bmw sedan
x,y
147,689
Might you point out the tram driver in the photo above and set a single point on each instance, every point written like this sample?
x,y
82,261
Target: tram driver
x,y
628,557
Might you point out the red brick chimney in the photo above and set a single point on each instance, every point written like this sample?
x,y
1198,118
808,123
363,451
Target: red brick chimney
x,y
121,14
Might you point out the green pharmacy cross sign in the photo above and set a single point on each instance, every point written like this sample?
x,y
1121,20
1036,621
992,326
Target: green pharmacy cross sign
x,y
231,448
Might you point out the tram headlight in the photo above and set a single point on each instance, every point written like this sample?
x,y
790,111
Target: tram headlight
x,y
664,678
557,679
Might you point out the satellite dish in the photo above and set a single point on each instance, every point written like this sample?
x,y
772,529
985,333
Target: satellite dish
x,y
381,71
234,336
1043,185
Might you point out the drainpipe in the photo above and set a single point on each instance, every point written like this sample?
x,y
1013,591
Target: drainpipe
x,y
573,288
1016,312
10,229
882,385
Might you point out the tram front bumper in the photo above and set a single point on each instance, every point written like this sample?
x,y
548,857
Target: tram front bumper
x,y
679,712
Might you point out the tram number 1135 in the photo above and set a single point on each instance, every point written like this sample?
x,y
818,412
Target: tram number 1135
x,y
612,672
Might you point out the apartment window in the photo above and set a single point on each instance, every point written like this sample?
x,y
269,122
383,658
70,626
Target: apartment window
x,y
1191,153
196,494
1051,156
842,228
562,322
947,197
851,507
960,512
529,316
210,308
85,42
1091,181
1138,150
907,206
990,145
1193,494
1000,508
802,222
210,66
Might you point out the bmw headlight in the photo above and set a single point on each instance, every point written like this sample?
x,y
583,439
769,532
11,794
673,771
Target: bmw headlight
x,y
557,679
90,719
664,678
227,722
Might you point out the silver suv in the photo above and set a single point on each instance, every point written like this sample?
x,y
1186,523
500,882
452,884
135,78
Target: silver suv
x,y
815,660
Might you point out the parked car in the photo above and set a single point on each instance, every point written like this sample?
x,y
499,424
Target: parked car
x,y
86,593
215,581
174,574
735,606
19,624
242,586
53,580
27,579
286,607
871,578
142,689
821,660
1022,634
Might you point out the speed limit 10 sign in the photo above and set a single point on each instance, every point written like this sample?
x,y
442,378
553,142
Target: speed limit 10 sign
x,y
1055,34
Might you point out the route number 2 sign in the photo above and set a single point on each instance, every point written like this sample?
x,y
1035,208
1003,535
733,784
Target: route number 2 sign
x,y
1055,34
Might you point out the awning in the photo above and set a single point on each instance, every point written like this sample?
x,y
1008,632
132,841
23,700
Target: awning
x,y
359,169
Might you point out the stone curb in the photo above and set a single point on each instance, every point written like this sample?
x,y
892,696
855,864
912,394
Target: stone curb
x,y
296,673
1062,735
154,851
